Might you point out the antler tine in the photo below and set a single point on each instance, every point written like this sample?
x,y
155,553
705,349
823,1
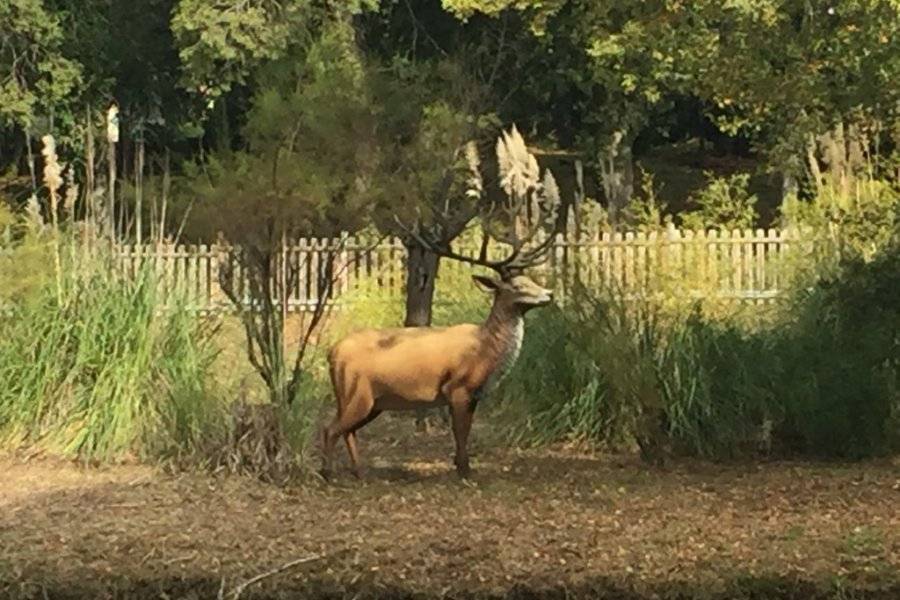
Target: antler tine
x,y
446,252
519,261
519,177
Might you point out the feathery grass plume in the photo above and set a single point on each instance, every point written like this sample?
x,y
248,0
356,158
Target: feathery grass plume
x,y
53,181
549,200
519,171
33,213
474,183
71,196
52,175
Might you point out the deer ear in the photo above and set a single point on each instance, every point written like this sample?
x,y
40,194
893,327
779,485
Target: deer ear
x,y
486,283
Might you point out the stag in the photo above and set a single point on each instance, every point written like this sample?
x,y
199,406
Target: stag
x,y
374,370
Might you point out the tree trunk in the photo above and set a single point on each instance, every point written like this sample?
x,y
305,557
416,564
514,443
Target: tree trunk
x,y
421,272
421,275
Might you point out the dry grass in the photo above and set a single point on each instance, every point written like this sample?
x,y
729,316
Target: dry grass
x,y
540,524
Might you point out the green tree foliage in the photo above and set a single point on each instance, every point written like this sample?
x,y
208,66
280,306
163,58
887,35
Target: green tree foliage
x,y
128,53
304,172
37,76
221,43
309,150
831,60
427,115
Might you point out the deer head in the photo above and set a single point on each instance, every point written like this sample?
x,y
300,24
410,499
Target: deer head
x,y
518,292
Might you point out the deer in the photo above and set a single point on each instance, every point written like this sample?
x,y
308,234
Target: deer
x,y
377,370
397,369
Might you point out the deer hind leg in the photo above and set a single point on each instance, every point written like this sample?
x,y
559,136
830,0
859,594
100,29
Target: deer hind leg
x,y
328,432
328,440
350,440
356,411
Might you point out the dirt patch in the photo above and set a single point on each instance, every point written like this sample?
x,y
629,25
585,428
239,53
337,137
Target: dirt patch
x,y
532,525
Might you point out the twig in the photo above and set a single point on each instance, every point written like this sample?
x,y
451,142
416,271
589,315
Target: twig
x,y
417,24
240,588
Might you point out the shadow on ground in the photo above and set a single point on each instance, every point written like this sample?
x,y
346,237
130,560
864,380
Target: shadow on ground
x,y
312,589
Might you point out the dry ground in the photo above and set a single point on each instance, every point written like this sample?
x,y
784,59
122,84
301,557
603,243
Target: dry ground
x,y
532,525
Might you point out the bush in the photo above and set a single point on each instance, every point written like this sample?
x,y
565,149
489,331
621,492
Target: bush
x,y
820,381
106,369
645,211
25,257
725,203
838,388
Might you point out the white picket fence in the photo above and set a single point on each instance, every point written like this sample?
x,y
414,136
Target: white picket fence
x,y
740,264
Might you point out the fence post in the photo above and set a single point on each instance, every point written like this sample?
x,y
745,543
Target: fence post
x,y
629,261
749,274
673,237
736,279
689,255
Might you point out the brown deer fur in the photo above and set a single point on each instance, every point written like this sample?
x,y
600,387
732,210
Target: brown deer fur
x,y
407,368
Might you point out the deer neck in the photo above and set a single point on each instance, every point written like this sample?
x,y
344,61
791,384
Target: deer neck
x,y
503,333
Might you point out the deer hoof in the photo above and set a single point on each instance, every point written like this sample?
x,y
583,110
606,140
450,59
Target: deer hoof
x,y
463,471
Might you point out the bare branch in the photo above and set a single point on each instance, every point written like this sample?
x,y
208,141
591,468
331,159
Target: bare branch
x,y
254,580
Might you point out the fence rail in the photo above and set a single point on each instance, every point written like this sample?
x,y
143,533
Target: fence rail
x,y
742,264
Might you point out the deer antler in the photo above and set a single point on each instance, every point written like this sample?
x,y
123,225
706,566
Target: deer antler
x,y
530,207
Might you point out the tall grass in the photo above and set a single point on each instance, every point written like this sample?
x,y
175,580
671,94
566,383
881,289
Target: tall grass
x,y
623,374
106,369
820,380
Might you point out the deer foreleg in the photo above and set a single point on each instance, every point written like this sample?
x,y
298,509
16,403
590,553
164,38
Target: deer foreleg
x,y
461,411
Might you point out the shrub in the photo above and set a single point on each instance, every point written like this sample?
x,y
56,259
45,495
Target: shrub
x,y
25,258
861,223
725,203
838,388
822,380
645,211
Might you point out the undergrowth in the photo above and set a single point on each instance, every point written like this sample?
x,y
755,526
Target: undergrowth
x,y
821,379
